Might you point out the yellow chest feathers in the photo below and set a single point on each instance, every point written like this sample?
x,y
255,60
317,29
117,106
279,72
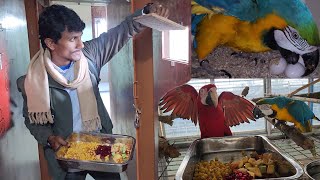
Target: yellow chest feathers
x,y
241,35
283,114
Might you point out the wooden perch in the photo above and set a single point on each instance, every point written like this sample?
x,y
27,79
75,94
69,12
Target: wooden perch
x,y
309,97
295,135
303,87
306,99
314,95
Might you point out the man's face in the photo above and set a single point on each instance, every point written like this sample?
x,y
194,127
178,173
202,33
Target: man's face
x,y
67,49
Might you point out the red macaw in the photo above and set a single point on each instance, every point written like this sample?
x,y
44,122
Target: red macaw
x,y
215,114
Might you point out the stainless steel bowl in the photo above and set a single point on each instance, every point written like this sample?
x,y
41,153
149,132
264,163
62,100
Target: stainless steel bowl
x,y
312,170
227,147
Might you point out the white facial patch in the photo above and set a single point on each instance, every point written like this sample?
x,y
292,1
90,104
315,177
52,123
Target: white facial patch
x,y
203,95
290,39
265,109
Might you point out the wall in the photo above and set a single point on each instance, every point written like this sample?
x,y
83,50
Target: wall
x,y
18,149
116,12
120,79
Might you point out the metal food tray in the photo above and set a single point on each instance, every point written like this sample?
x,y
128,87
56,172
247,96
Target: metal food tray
x,y
312,170
227,148
106,166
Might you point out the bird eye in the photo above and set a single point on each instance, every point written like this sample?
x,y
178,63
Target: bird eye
x,y
295,35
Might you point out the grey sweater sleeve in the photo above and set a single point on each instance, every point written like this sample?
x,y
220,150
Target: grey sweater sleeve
x,y
100,50
40,132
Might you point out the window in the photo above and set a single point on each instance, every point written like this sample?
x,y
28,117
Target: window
x,y
100,26
286,86
175,45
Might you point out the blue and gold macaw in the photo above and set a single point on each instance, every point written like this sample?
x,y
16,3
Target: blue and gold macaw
x,y
287,109
257,26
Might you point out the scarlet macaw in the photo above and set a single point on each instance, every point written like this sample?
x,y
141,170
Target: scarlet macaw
x,y
215,114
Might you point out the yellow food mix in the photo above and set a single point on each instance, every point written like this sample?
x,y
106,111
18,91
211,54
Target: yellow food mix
x,y
82,151
211,170
86,151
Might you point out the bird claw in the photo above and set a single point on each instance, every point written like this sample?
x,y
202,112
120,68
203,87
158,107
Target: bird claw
x,y
313,152
208,71
240,55
243,55
225,73
204,63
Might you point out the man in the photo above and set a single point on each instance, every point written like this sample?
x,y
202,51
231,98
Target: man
x,y
60,89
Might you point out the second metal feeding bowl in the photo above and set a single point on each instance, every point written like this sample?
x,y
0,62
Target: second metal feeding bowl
x,y
312,170
227,147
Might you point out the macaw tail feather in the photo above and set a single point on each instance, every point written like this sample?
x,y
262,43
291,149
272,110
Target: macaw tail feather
x,y
304,127
308,127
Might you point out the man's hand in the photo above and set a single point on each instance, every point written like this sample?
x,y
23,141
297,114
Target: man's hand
x,y
157,9
56,141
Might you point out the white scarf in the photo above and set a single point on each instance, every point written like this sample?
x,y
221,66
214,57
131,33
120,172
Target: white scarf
x,y
37,90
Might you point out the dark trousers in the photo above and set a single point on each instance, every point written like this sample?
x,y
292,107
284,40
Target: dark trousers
x,y
96,175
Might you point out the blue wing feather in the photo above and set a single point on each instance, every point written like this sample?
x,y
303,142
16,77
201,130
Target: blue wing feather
x,y
195,20
225,4
245,10
252,10
300,111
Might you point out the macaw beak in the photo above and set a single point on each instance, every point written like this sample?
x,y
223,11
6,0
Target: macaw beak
x,y
291,46
257,113
209,99
311,61
263,110
289,56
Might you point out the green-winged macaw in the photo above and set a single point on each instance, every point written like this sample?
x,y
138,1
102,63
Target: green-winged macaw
x,y
214,113
257,26
287,109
